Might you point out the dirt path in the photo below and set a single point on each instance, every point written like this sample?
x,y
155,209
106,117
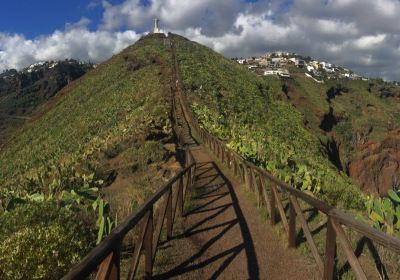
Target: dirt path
x,y
225,236
223,233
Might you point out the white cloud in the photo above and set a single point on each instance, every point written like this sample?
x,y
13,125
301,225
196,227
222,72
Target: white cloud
x,y
76,41
360,34
369,42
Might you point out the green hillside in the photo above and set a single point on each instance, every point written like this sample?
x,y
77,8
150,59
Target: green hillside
x,y
110,125
358,124
21,92
333,140
114,101
248,112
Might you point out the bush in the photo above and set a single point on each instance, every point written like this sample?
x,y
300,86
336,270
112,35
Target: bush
x,y
42,241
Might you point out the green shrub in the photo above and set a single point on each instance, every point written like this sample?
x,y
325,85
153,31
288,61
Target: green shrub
x,y
40,252
43,241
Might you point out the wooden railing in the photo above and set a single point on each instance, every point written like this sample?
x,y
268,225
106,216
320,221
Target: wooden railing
x,y
106,257
269,191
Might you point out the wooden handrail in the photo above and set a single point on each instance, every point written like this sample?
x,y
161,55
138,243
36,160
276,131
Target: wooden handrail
x,y
104,251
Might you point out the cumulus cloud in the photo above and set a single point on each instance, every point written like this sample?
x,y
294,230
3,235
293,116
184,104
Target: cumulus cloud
x,y
75,41
359,34
214,17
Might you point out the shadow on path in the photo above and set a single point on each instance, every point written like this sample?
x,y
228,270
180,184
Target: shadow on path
x,y
215,222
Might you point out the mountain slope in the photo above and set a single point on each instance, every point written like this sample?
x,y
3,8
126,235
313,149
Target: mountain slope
x,y
247,112
21,92
120,97
92,153
358,124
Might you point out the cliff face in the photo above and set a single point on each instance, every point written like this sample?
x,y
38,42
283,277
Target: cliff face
x,y
358,123
377,168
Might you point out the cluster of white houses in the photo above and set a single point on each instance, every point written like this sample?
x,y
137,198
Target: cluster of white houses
x,y
277,63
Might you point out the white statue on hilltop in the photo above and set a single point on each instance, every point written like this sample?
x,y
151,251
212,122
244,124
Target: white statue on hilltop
x,y
156,26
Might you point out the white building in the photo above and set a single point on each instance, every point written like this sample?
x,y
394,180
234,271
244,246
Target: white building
x,y
294,60
310,68
270,72
276,59
279,72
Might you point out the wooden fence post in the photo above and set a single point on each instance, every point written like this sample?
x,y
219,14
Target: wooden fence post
x,y
148,247
330,250
292,224
170,219
273,206
252,179
180,197
246,177
235,167
348,251
110,268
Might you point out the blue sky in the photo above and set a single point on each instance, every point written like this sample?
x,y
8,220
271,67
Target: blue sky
x,y
363,35
40,17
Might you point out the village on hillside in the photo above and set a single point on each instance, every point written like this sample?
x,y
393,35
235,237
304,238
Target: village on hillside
x,y
281,63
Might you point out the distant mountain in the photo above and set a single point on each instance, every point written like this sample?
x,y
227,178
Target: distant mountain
x,y
21,92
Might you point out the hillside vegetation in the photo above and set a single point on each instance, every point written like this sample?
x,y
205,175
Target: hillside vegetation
x,y
21,92
245,110
358,124
104,134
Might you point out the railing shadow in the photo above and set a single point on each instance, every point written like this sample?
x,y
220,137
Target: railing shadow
x,y
380,267
223,199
